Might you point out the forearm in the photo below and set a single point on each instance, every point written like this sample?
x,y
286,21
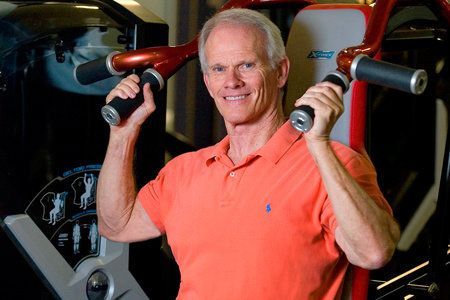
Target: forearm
x,y
367,233
116,190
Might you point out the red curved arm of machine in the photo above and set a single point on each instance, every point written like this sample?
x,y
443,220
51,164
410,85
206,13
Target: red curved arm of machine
x,y
356,62
376,28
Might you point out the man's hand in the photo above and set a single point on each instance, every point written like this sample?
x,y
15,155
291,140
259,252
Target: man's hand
x,y
129,88
326,100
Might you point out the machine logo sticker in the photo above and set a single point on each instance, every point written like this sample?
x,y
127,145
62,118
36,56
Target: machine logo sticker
x,y
321,54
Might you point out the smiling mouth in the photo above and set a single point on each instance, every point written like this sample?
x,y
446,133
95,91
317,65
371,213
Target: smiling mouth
x,y
235,98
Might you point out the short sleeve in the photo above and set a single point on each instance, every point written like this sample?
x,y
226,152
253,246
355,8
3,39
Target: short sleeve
x,y
150,197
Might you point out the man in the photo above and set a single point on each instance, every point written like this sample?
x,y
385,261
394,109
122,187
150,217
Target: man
x,y
268,212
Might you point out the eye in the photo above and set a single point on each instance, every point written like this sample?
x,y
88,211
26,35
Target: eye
x,y
217,69
247,66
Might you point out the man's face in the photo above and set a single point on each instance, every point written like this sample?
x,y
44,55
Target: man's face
x,y
239,78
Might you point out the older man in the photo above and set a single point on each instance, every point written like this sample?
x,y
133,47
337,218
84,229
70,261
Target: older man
x,y
266,213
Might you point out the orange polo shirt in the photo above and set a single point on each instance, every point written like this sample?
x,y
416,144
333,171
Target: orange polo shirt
x,y
262,229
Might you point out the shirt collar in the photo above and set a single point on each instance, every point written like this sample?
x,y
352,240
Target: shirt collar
x,y
279,143
218,150
273,150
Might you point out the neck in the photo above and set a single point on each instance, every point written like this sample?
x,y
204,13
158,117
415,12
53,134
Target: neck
x,y
246,139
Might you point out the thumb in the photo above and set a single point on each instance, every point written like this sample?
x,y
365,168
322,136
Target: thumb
x,y
148,97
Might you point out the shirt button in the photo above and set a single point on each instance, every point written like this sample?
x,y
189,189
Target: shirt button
x,y
232,173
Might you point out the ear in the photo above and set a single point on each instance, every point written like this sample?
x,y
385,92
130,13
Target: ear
x,y
283,71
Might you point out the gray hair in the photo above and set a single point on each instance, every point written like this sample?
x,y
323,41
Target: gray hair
x,y
275,49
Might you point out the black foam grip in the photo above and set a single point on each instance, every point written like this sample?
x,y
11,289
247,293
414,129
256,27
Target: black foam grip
x,y
125,107
333,78
390,75
92,71
307,110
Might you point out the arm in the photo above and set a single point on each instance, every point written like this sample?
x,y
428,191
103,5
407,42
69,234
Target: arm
x,y
120,215
365,232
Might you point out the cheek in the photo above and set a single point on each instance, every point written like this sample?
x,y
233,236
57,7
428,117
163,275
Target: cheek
x,y
212,89
266,83
210,86
267,78
272,81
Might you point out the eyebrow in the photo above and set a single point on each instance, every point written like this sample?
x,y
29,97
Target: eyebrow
x,y
241,62
215,65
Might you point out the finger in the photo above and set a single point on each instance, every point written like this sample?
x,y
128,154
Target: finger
x,y
330,90
148,98
324,108
320,103
319,95
336,88
130,85
126,88
133,77
324,94
121,92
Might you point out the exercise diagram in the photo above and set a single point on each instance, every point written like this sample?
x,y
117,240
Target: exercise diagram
x,y
57,212
92,236
87,197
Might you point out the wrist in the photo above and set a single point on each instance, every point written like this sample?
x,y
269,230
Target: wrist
x,y
318,146
123,137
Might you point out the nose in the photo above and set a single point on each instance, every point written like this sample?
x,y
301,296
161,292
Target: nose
x,y
233,79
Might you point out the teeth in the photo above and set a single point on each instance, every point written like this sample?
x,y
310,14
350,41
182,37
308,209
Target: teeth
x,y
235,97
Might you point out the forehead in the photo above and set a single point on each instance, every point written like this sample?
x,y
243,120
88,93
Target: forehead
x,y
232,41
